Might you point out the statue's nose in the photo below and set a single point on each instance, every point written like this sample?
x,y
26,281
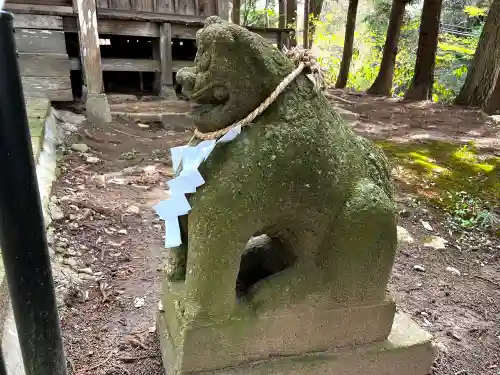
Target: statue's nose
x,y
186,79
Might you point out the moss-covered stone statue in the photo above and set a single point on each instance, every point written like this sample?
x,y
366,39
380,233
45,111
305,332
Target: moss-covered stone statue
x,y
314,199
299,174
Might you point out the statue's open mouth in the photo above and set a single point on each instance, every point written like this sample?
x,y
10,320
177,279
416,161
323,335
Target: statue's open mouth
x,y
208,98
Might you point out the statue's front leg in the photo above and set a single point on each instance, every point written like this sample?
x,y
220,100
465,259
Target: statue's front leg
x,y
218,232
176,260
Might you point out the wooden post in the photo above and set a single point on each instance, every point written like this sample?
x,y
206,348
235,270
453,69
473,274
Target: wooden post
x,y
236,11
97,104
281,23
305,33
291,21
166,78
223,9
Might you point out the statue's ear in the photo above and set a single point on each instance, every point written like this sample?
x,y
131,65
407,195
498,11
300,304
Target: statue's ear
x,y
216,33
214,19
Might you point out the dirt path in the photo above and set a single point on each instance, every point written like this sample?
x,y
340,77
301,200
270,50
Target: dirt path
x,y
398,121
110,236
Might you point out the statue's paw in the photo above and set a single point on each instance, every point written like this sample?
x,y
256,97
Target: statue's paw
x,y
174,272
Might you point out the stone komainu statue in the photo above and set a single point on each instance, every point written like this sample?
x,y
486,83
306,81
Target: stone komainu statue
x,y
298,174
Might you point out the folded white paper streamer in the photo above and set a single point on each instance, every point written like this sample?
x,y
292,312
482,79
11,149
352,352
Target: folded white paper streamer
x,y
187,180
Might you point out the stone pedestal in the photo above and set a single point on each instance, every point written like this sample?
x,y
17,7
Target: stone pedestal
x,y
97,108
407,351
356,340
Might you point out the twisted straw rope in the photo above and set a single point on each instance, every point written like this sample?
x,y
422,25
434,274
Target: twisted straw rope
x,y
303,59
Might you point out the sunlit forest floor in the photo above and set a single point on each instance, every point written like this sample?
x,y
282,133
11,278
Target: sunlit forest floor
x,y
446,274
445,162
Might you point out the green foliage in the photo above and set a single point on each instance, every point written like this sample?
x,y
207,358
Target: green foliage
x,y
455,178
469,212
474,11
252,16
455,50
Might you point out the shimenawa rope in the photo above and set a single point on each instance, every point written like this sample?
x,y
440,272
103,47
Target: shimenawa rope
x,y
303,59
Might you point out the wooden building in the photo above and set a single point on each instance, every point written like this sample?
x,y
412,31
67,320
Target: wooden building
x,y
110,45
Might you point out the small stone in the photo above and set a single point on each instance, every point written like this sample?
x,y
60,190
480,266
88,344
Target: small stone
x,y
50,236
143,126
56,213
441,347
152,329
426,225
60,250
160,307
435,242
88,271
419,268
133,210
404,236
80,147
404,213
453,335
93,160
70,262
123,231
139,302
453,270
88,277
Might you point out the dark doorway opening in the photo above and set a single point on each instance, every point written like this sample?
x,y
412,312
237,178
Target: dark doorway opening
x,y
264,256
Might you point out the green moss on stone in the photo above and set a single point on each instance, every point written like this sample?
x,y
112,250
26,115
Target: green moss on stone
x,y
298,173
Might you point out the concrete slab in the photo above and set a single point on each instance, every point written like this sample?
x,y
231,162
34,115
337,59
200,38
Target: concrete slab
x,y
407,351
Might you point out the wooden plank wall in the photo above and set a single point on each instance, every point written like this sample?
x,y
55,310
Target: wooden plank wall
x,y
43,60
202,8
40,2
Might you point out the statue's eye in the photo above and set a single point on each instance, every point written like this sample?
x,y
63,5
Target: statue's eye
x,y
204,61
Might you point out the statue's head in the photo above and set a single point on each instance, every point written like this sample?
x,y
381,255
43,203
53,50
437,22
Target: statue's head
x,y
234,71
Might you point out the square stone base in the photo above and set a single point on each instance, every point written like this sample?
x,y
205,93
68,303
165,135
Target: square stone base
x,y
254,335
407,351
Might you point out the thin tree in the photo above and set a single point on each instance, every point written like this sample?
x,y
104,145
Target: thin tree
x,y
305,33
236,11
315,7
291,20
383,83
485,67
423,77
348,45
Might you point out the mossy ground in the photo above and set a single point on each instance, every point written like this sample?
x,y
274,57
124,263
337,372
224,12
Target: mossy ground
x,y
455,177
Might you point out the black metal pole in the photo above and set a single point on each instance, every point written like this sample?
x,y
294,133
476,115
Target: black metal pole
x,y
22,230
3,370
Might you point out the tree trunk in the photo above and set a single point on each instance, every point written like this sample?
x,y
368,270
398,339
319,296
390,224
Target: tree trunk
x,y
383,83
266,14
485,68
305,34
493,104
348,45
291,20
236,11
281,14
315,8
423,78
